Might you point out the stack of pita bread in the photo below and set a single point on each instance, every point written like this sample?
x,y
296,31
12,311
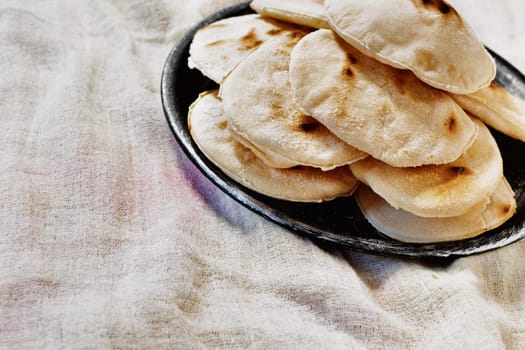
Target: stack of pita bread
x,y
320,98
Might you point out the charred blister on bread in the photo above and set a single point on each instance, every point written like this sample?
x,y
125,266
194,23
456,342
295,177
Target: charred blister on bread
x,y
435,5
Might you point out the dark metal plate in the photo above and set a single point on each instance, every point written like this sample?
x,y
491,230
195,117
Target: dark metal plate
x,y
339,221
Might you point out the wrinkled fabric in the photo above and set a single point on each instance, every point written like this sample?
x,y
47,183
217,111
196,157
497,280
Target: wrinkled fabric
x,y
111,238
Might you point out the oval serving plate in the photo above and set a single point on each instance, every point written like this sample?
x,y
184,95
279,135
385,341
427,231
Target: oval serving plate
x,y
339,221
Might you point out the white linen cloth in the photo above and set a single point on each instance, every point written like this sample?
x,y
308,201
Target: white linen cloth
x,y
111,238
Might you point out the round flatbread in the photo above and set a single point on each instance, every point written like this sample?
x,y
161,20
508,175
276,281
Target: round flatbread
x,y
427,37
217,48
208,127
260,108
438,190
383,111
497,108
406,227
309,13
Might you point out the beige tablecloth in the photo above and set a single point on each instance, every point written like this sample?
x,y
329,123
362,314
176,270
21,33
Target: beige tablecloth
x,y
111,238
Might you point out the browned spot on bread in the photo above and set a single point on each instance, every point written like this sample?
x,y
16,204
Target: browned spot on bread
x,y
425,59
347,71
400,84
505,209
308,124
459,170
352,59
222,125
250,41
295,35
216,42
451,124
308,127
275,31
436,5
444,8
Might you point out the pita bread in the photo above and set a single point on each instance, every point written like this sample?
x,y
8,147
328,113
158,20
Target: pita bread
x,y
208,127
406,227
271,159
309,13
217,48
427,37
438,190
260,109
498,108
383,111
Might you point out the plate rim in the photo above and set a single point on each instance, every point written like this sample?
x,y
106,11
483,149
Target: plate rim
x,y
248,198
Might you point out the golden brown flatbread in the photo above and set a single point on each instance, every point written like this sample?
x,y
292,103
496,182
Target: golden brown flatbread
x,y
260,109
208,127
385,112
217,48
406,227
438,190
497,108
427,37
